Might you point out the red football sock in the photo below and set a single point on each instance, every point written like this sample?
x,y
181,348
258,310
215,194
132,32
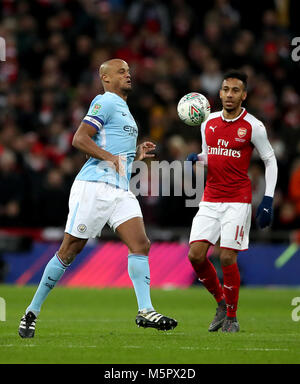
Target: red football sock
x,y
208,276
231,286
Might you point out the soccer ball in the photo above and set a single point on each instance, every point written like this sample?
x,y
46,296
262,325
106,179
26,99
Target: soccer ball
x,y
193,109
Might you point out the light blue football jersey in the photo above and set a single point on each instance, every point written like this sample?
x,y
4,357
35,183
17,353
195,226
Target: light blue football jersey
x,y
116,133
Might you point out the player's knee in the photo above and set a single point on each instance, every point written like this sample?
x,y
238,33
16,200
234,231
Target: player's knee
x,y
228,257
146,246
196,256
142,247
69,250
67,258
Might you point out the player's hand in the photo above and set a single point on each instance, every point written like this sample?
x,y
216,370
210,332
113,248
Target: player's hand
x,y
118,163
142,150
193,157
264,212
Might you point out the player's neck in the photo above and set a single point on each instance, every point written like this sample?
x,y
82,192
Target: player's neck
x,y
232,114
118,92
123,95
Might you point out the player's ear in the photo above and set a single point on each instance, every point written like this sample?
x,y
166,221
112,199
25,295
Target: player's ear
x,y
244,95
104,78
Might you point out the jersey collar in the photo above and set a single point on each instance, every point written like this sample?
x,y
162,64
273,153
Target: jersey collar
x,y
119,97
242,114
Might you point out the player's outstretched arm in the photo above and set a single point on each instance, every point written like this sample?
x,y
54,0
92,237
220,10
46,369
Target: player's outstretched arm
x,y
83,141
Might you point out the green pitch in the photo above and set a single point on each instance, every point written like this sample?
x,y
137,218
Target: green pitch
x,y
97,326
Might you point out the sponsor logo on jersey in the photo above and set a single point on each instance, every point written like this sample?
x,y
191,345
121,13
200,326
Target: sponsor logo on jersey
x,y
223,151
132,131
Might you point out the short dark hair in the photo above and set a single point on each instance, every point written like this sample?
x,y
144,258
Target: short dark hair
x,y
236,74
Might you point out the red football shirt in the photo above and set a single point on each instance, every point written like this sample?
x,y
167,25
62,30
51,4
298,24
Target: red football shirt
x,y
228,146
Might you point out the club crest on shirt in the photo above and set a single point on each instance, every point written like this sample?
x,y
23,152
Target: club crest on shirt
x,y
241,132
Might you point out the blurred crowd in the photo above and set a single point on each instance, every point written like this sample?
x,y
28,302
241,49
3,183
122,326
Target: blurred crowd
x,y
53,52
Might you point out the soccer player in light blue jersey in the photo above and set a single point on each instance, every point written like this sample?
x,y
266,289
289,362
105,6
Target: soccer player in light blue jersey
x,y
100,194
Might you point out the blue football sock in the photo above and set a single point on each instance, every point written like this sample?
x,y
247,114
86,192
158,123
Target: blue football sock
x,y
139,272
52,273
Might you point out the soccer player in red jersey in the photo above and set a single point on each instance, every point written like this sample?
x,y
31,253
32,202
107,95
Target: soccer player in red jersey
x,y
228,139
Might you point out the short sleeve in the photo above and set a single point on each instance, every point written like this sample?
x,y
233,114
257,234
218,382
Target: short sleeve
x,y
99,113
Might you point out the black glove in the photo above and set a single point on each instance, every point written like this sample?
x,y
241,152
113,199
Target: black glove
x,y
264,212
193,157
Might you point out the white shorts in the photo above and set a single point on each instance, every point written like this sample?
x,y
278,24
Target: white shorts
x,y
228,221
92,205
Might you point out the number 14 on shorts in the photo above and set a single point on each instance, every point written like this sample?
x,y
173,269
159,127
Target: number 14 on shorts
x,y
239,234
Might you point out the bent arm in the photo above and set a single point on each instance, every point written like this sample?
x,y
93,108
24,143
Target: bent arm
x,y
83,141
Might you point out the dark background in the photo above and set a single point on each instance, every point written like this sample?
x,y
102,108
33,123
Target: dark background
x,y
53,53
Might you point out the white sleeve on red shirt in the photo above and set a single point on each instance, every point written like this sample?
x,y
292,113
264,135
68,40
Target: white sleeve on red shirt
x,y
270,175
203,155
260,140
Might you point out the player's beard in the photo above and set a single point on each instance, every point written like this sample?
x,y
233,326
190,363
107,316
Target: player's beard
x,y
234,108
126,90
230,110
